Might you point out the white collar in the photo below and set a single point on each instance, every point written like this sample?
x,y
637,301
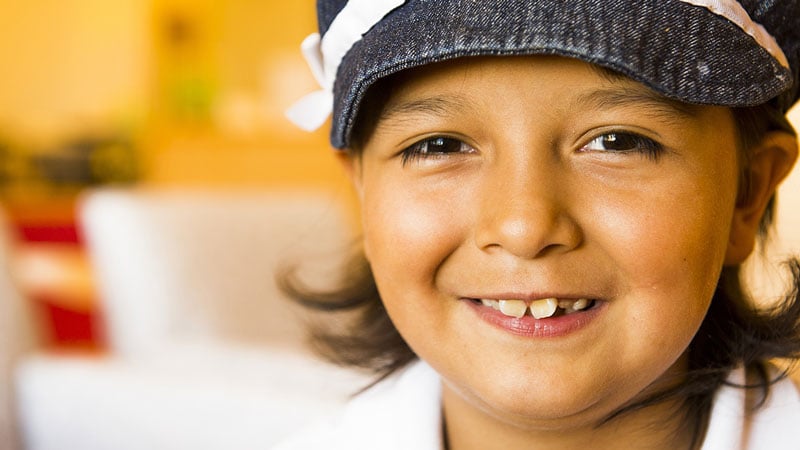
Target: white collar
x,y
771,427
404,412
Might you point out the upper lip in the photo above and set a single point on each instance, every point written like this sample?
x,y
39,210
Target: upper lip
x,y
529,297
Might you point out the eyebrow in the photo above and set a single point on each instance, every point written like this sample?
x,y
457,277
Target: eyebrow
x,y
625,95
438,105
649,102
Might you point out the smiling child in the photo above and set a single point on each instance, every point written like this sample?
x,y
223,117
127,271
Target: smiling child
x,y
556,198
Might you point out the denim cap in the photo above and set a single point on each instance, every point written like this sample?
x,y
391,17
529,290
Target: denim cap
x,y
713,52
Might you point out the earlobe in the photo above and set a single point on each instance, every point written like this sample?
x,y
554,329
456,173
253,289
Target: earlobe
x,y
770,162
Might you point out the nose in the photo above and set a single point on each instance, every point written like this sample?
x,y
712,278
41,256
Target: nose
x,y
525,211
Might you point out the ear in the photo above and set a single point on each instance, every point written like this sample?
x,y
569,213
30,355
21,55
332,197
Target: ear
x,y
770,161
352,168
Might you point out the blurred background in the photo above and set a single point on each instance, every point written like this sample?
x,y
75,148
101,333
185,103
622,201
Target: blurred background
x,y
153,93
156,319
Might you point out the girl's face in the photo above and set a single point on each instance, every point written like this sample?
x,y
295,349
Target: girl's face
x,y
545,181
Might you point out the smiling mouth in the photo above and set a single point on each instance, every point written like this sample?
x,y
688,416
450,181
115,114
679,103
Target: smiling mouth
x,y
539,309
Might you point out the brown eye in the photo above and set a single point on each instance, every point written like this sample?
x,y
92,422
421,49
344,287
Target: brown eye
x,y
615,142
434,147
442,145
624,143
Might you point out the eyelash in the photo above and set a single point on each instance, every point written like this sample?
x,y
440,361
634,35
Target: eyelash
x,y
421,149
636,143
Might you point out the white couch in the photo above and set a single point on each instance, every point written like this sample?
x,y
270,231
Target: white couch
x,y
205,352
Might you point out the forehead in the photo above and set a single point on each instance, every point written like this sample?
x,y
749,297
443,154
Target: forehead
x,y
452,87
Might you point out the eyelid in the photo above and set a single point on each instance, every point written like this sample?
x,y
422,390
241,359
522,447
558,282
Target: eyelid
x,y
413,151
646,146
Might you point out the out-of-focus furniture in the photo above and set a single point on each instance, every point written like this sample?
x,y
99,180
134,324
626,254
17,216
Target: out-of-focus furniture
x,y
204,351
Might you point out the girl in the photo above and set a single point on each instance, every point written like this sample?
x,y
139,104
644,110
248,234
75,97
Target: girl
x,y
556,199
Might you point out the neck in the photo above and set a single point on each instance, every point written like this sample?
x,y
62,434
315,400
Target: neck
x,y
660,426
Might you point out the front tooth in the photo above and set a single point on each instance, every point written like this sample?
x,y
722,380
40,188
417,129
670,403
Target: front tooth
x,y
514,308
541,309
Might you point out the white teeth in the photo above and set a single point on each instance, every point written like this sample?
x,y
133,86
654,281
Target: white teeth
x,y
514,308
541,309
494,304
580,304
571,306
566,304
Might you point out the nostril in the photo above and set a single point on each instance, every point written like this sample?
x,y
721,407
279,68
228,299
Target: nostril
x,y
526,240
525,217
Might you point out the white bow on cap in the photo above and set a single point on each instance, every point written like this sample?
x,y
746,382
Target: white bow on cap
x,y
325,54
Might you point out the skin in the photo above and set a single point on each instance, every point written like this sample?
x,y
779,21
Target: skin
x,y
528,199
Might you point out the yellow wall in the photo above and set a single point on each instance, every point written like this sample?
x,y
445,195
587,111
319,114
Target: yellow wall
x,y
66,64
71,67
247,51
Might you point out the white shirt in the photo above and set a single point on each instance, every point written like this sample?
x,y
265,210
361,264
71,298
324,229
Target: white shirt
x,y
404,413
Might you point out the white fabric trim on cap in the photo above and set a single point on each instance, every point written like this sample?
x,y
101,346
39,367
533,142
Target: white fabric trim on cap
x,y
324,56
735,12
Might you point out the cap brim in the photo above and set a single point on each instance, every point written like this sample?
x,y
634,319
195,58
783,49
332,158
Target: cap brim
x,y
666,45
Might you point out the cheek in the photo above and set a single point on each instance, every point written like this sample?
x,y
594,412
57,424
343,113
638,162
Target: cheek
x,y
408,233
668,247
673,231
407,236
665,247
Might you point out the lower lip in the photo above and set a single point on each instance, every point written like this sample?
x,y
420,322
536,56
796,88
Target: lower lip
x,y
527,326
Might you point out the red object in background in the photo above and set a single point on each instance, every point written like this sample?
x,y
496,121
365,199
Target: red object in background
x,y
54,233
69,327
63,295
